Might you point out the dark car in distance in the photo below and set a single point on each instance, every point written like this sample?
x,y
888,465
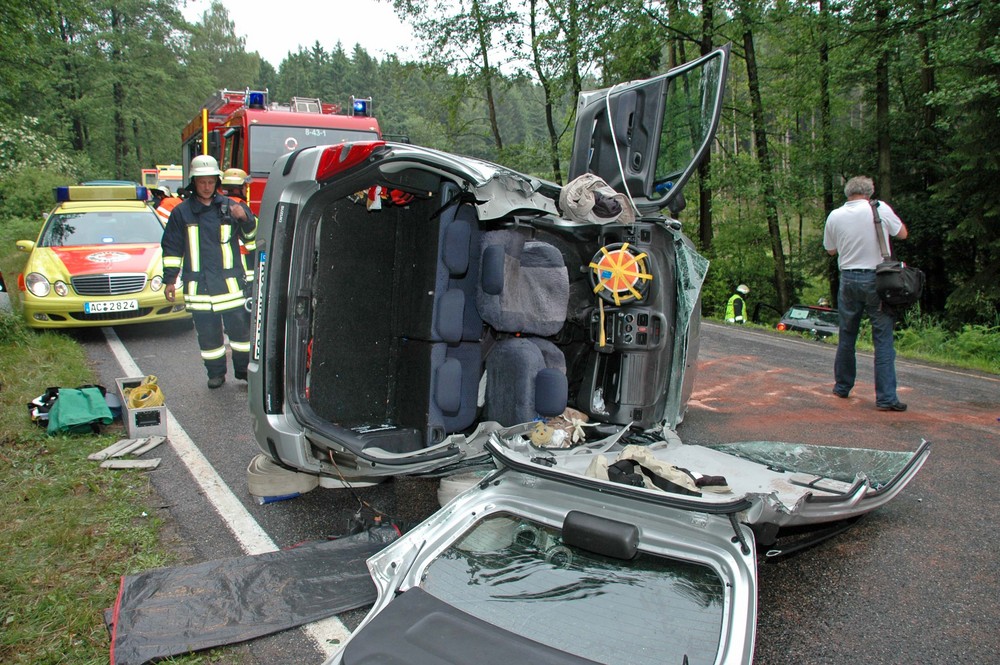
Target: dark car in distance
x,y
820,322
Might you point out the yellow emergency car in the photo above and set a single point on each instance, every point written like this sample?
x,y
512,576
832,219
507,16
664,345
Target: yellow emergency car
x,y
96,262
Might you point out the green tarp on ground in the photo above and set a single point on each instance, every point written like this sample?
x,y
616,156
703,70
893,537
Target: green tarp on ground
x,y
79,411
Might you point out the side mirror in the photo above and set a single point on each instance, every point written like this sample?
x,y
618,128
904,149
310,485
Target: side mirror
x,y
25,245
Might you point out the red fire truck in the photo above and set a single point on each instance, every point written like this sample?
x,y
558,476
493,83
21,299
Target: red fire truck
x,y
242,129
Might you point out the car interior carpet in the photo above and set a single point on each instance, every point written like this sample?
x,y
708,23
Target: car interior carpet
x,y
377,367
353,359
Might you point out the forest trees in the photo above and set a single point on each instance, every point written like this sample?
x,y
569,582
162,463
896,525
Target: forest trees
x,y
818,91
115,80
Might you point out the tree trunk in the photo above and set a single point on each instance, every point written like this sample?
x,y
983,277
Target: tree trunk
x,y
138,143
78,131
705,168
767,177
118,96
543,79
573,46
832,273
568,20
928,83
884,178
483,33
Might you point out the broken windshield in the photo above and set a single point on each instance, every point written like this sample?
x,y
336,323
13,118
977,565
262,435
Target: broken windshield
x,y
843,464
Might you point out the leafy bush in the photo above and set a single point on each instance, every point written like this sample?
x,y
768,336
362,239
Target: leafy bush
x,y
739,255
31,164
973,345
28,193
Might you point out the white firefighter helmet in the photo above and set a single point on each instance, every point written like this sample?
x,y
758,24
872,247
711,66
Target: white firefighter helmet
x,y
234,178
204,165
743,289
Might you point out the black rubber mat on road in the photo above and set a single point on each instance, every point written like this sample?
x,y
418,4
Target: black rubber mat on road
x,y
172,611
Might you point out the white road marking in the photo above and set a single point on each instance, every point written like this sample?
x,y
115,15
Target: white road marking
x,y
329,633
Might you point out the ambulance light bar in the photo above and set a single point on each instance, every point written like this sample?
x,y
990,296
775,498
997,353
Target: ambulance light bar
x,y
100,193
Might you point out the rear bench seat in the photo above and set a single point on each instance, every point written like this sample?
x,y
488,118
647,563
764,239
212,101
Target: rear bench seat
x,y
440,327
523,296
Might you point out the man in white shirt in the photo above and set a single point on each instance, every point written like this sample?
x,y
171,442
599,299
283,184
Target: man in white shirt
x,y
850,235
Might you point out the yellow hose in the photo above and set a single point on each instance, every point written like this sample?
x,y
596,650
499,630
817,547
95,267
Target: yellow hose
x,y
146,394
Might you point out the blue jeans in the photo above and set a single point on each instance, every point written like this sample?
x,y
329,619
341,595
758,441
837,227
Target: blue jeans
x,y
857,296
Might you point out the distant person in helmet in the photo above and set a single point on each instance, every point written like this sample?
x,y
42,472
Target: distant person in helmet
x,y
736,308
162,201
234,185
156,194
202,237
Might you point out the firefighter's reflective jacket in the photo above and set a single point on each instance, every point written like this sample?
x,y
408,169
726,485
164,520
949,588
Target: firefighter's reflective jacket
x,y
205,241
736,309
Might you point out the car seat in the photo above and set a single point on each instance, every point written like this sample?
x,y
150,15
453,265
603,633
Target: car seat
x,y
523,297
440,329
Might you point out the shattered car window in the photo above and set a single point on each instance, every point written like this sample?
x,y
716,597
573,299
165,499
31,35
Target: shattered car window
x,y
881,466
519,576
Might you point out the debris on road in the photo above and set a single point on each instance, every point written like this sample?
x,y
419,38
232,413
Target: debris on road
x,y
131,463
171,611
111,457
127,446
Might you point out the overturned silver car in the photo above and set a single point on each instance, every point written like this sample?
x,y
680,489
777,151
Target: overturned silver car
x,y
410,302
419,312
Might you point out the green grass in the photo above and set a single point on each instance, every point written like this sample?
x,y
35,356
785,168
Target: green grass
x,y
974,347
71,529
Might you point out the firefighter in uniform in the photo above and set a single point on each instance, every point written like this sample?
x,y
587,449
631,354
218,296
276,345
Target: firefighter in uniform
x,y
234,185
202,236
736,308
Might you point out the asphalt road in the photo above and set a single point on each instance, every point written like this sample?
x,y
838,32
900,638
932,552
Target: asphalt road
x,y
915,582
